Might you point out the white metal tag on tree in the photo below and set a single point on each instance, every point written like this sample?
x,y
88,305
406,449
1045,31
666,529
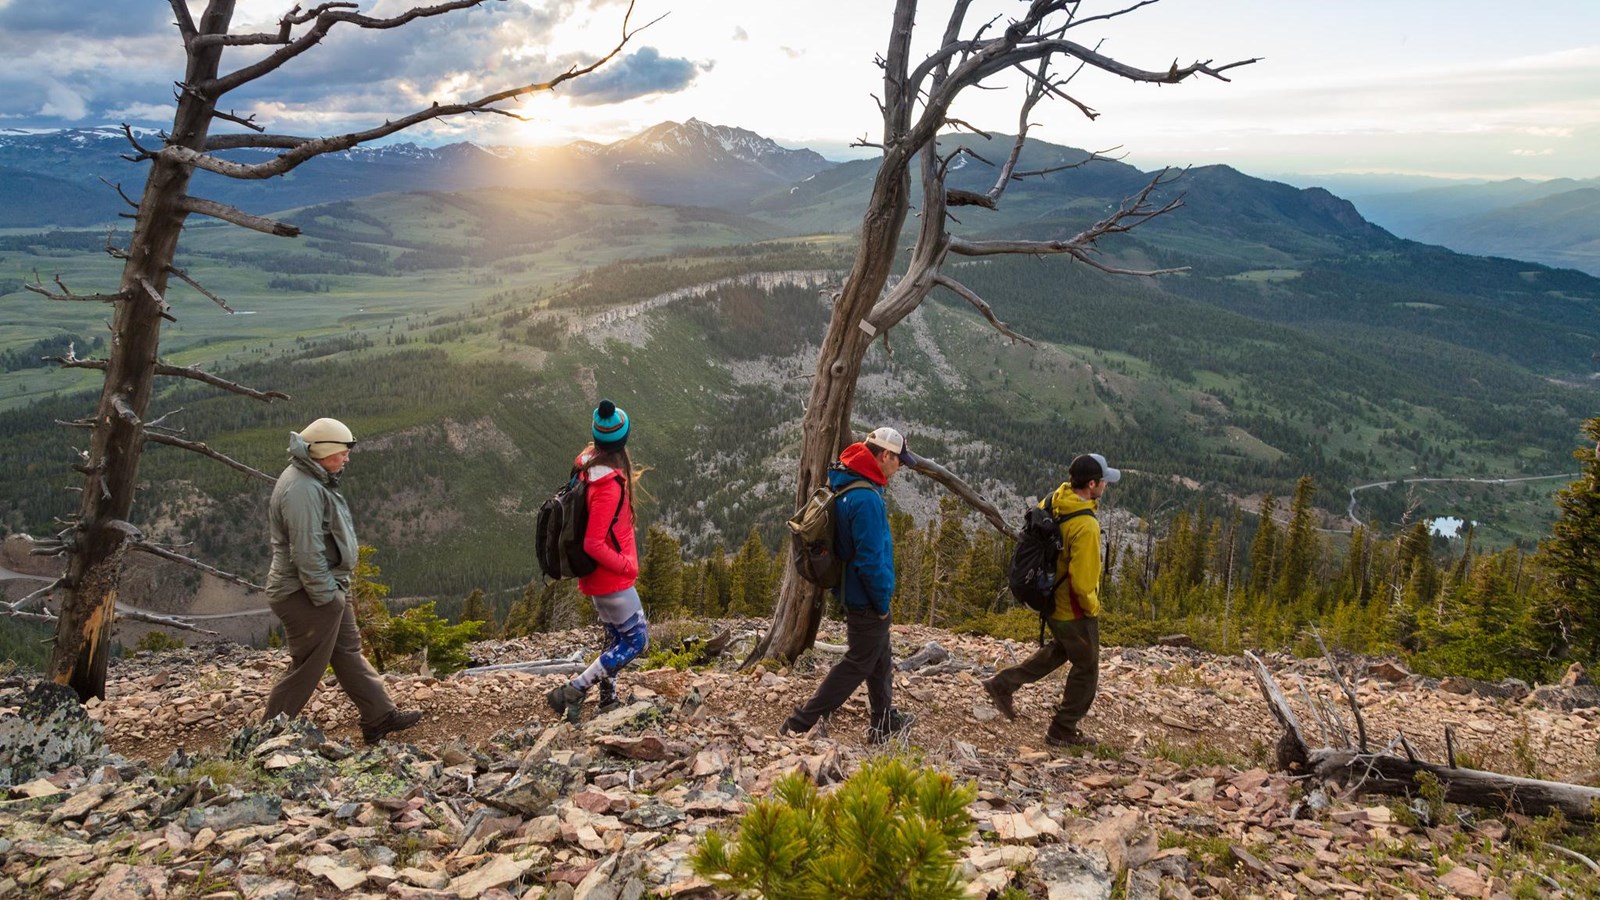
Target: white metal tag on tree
x,y
867,327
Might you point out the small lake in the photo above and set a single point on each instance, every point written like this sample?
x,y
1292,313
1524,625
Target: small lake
x,y
1449,526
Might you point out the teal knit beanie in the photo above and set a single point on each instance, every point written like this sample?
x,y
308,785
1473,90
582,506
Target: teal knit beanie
x,y
610,426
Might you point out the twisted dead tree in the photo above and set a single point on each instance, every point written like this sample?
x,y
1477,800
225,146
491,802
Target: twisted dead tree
x,y
916,103
1360,769
97,540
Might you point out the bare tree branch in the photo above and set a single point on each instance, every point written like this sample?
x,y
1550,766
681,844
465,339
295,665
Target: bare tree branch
x,y
246,121
1094,156
185,21
1349,691
147,547
139,615
72,362
1133,212
184,276
238,217
66,293
249,141
125,199
17,606
961,489
203,450
317,146
967,294
161,302
120,404
144,152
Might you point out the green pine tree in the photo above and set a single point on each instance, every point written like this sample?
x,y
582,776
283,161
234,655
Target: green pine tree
x,y
1571,609
476,609
1300,549
661,574
1264,551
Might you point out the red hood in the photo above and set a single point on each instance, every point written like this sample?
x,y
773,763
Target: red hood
x,y
858,458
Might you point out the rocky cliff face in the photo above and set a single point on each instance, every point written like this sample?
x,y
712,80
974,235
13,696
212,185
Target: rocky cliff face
x,y
492,797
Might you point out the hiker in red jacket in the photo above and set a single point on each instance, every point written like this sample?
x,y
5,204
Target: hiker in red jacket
x,y
608,539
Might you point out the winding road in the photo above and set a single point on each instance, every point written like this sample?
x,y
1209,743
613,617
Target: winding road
x,y
1351,511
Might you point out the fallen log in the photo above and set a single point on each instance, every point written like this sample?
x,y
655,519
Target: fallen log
x,y
1363,772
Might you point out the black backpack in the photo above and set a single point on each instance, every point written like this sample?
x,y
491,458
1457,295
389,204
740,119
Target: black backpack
x,y
558,532
1033,564
814,531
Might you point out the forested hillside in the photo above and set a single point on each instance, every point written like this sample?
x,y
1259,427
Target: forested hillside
x,y
466,335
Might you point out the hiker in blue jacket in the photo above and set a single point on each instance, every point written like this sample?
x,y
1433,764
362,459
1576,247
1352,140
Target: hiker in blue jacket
x,y
863,542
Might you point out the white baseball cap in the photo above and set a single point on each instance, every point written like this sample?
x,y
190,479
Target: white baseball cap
x,y
887,438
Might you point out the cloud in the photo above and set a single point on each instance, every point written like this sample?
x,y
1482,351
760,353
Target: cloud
x,y
64,103
641,73
739,34
102,18
1545,152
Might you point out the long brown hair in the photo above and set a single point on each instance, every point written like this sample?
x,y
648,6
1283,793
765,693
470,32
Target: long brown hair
x,y
620,460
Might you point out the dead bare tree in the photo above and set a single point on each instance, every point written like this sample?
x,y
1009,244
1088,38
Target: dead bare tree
x,y
1362,770
916,103
97,540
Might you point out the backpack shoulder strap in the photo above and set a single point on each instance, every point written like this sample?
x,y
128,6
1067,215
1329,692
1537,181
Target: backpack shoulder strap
x,y
1075,514
853,485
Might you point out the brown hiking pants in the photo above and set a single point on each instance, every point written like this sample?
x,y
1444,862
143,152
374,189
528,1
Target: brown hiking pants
x,y
1073,640
320,636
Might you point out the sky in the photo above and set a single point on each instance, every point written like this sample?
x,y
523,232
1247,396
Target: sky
x,y
1446,88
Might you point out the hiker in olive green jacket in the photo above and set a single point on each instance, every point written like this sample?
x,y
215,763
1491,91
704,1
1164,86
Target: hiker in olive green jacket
x,y
314,552
1075,623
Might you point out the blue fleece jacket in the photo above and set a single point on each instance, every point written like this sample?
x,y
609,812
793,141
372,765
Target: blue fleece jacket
x,y
861,534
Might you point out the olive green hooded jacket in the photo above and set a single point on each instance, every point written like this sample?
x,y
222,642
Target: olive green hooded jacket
x,y
313,537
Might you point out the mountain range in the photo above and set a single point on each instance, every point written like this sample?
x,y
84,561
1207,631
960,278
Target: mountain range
x,y
53,178
465,326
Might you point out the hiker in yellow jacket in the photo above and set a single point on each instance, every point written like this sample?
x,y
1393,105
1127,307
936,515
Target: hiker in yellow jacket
x,y
1075,624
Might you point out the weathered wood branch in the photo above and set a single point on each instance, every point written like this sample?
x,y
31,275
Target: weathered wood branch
x,y
972,498
563,665
162,306
239,217
983,307
67,295
245,121
200,448
190,372
139,615
17,606
147,547
125,410
1383,773
1349,693
254,141
185,21
184,277
300,152
1133,212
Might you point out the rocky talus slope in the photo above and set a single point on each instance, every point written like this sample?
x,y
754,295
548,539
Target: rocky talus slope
x,y
172,788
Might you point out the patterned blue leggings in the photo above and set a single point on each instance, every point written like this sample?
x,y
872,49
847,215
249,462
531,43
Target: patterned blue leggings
x,y
623,643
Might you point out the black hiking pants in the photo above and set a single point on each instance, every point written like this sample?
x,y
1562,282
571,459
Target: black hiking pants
x,y
867,659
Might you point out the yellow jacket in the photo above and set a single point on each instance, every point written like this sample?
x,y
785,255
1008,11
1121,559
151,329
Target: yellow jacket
x,y
1078,568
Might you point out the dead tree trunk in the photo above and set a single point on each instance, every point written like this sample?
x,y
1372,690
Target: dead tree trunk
x,y
83,633
1361,771
915,104
98,540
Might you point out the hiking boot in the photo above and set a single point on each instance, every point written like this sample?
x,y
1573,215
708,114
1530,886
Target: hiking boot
x,y
396,720
790,728
894,725
566,700
608,696
1071,739
1000,697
